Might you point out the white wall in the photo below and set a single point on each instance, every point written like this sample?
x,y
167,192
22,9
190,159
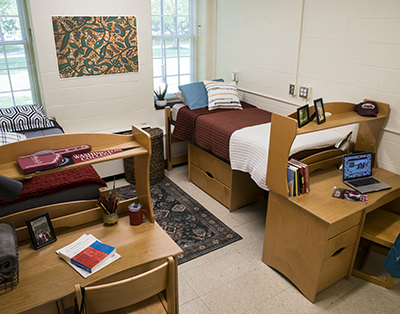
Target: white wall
x,y
344,50
101,103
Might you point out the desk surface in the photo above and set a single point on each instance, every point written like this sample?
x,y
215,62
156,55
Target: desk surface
x,y
44,277
321,203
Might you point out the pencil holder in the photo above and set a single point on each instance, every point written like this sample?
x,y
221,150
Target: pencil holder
x,y
110,219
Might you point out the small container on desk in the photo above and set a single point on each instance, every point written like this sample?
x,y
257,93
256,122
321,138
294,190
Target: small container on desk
x,y
109,206
135,214
110,219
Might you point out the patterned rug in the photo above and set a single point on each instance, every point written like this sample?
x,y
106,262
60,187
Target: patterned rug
x,y
185,220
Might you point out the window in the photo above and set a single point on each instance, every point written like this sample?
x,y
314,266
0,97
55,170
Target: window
x,y
173,27
16,77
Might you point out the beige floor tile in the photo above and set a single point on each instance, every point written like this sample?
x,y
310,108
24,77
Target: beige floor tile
x,y
186,293
366,298
242,294
196,306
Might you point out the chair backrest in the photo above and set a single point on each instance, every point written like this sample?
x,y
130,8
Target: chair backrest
x,y
123,293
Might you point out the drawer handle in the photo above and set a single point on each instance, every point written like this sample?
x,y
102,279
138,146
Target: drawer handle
x,y
338,251
209,175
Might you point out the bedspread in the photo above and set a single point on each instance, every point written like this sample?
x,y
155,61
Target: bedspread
x,y
249,148
211,129
55,182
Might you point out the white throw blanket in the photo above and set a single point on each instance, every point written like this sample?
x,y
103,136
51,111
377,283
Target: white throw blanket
x,y
248,148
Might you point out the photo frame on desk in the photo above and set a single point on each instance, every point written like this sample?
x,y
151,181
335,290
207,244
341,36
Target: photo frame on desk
x,y
303,116
41,230
319,110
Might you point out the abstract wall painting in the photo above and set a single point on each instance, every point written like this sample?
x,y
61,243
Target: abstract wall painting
x,y
95,45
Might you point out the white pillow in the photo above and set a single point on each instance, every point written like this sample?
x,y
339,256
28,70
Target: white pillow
x,y
222,95
11,137
180,96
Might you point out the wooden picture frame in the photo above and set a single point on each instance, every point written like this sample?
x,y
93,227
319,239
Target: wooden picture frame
x,y
303,115
41,230
319,110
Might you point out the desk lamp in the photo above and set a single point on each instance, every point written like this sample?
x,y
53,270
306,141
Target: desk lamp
x,y
9,188
344,145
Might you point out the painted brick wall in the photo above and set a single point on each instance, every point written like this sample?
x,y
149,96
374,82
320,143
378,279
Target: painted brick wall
x,y
95,104
347,51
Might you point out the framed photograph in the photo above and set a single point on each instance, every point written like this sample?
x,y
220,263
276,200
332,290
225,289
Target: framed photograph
x,y
41,230
303,116
319,110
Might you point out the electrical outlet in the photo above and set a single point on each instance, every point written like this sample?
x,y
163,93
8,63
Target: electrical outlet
x,y
292,89
235,76
305,92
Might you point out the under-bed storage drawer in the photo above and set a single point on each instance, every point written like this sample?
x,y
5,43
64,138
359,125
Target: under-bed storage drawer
x,y
212,166
232,188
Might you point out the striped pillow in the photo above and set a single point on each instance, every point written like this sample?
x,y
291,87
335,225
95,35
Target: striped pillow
x,y
222,95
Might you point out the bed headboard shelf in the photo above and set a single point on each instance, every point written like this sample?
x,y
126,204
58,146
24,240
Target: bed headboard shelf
x,y
10,152
284,129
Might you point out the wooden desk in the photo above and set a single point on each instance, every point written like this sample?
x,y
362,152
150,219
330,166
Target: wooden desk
x,y
313,238
44,278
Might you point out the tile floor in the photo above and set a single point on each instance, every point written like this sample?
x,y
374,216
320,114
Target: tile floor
x,y
235,280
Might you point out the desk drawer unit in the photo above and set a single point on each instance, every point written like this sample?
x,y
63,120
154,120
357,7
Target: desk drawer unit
x,y
232,188
338,254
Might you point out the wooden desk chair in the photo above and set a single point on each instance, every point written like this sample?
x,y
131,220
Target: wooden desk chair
x,y
138,294
381,228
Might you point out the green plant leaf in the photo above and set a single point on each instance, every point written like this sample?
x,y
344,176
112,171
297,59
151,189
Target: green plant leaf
x,y
128,67
119,44
124,60
73,45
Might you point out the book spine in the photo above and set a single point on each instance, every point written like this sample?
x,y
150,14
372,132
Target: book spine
x,y
290,178
74,262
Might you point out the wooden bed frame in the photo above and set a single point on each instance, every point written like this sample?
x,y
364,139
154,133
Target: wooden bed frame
x,y
234,188
170,139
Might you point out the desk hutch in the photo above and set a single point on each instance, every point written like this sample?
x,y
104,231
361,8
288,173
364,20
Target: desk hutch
x,y
46,282
313,238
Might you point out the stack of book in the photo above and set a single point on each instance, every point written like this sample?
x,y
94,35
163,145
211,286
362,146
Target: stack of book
x,y
88,255
297,176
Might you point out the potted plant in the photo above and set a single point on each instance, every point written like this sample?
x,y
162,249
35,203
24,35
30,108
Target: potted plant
x,y
160,94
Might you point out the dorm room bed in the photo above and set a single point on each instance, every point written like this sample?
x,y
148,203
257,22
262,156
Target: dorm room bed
x,y
228,150
26,122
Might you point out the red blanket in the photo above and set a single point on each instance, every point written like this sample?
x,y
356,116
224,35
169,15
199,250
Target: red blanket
x,y
211,129
55,182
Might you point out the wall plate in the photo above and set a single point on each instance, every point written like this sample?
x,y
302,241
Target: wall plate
x,y
292,89
305,92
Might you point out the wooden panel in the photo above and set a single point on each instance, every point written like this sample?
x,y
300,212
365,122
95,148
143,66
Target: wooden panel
x,y
49,308
294,243
335,268
344,224
244,190
381,227
216,168
341,241
216,189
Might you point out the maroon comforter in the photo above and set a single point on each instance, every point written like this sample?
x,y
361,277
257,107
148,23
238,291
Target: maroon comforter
x,y
56,181
211,129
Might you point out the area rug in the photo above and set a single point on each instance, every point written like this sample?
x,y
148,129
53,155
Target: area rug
x,y
186,221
